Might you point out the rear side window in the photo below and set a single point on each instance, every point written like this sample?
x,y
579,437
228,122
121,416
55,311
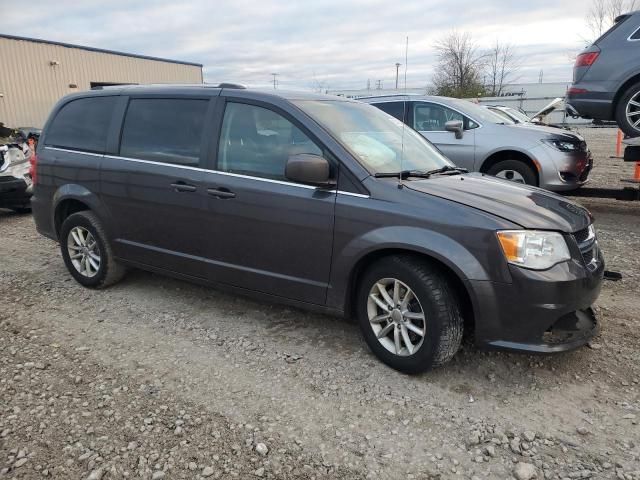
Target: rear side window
x,y
164,130
395,109
82,124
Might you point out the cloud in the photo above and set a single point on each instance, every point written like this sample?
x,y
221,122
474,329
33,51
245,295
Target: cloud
x,y
339,43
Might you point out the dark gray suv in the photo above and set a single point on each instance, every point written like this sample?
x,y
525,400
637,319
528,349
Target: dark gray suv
x,y
606,77
318,202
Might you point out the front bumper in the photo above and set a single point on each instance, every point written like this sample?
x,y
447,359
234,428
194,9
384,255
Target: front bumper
x,y
539,311
561,171
14,192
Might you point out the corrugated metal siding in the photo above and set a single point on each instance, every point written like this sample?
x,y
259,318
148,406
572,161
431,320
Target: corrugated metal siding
x,y
30,85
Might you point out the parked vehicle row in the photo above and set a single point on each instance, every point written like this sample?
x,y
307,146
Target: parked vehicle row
x,y
327,204
476,139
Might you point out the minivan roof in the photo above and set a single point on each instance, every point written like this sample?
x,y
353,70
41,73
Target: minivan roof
x,y
169,88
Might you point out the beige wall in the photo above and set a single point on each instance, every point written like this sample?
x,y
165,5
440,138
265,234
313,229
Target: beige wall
x,y
30,85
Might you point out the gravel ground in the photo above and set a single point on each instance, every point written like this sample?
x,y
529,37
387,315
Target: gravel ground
x,y
156,378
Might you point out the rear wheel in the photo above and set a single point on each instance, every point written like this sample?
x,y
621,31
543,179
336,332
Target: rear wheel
x,y
515,171
87,253
408,314
628,111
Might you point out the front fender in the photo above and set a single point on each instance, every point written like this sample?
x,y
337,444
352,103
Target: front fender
x,y
410,239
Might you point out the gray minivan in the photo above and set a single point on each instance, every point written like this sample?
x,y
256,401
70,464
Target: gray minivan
x,y
319,202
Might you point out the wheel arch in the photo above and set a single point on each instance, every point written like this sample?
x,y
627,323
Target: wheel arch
x,y
622,90
70,199
510,154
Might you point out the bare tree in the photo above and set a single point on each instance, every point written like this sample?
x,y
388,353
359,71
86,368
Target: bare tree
x,y
460,64
602,14
502,65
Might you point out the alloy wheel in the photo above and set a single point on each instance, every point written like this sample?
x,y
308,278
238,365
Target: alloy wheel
x,y
83,251
632,111
396,317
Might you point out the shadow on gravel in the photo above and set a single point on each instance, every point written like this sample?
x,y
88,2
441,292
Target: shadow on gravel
x,y
474,373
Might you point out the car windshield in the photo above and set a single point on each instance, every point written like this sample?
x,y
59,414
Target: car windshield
x,y
475,111
504,115
519,115
376,139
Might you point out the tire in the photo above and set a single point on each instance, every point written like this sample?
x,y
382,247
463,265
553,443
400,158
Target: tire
x,y
442,326
21,210
631,94
515,168
108,271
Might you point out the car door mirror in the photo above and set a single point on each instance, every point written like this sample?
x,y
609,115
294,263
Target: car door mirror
x,y
455,126
309,169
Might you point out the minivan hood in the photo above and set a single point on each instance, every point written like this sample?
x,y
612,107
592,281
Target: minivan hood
x,y
529,207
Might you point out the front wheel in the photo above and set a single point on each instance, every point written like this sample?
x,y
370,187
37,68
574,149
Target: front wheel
x,y
628,111
87,253
409,314
515,171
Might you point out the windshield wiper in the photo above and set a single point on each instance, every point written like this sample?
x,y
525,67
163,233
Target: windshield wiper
x,y
420,173
446,169
402,174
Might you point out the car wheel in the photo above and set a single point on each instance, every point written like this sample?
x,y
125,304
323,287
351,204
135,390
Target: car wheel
x,y
515,171
628,111
409,315
87,253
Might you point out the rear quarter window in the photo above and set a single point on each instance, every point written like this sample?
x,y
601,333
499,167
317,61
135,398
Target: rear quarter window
x,y
82,124
164,130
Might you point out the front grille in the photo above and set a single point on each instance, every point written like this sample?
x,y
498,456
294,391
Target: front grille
x,y
588,245
582,235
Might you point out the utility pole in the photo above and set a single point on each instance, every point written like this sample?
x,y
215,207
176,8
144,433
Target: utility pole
x,y
378,84
368,84
274,80
540,76
397,69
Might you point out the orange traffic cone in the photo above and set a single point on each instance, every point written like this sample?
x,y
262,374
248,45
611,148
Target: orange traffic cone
x,y
619,143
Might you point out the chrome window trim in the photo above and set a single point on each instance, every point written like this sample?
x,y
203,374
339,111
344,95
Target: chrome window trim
x,y
629,39
58,149
198,169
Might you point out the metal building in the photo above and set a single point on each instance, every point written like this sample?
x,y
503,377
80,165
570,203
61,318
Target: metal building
x,y
35,73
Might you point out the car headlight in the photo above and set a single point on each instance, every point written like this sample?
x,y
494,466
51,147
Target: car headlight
x,y
563,145
533,249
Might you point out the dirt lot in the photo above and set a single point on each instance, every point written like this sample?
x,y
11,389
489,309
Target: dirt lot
x,y
157,378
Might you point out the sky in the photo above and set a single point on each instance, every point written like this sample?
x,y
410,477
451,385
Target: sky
x,y
334,44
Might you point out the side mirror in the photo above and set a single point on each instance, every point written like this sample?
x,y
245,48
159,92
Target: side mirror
x,y
310,169
456,127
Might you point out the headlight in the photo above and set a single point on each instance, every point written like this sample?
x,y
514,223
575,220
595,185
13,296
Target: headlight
x,y
533,249
563,145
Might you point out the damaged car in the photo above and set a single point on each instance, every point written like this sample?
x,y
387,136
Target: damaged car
x,y
15,176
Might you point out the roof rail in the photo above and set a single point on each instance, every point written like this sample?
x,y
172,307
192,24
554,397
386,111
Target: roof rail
x,y
390,95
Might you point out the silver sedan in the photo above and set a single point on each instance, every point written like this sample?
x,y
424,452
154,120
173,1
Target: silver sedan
x,y
479,140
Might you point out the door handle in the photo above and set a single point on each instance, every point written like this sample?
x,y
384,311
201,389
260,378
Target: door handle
x,y
220,193
183,187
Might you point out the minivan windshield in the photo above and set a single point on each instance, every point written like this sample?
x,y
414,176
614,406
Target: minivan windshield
x,y
373,137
